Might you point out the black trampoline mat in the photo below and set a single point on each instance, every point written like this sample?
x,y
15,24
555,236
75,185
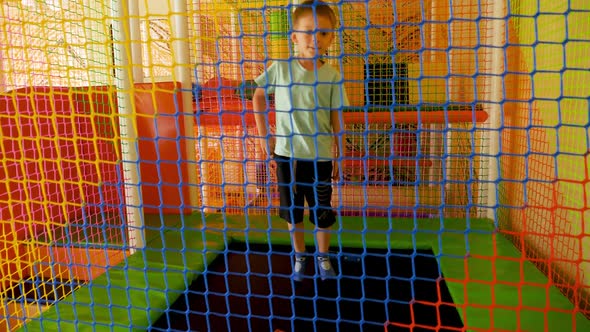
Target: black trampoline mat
x,y
398,291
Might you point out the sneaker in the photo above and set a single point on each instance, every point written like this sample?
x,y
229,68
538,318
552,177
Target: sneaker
x,y
325,267
299,268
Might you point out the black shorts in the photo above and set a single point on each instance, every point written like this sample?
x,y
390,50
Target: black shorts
x,y
312,183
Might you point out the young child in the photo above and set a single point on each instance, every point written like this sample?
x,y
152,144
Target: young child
x,y
309,96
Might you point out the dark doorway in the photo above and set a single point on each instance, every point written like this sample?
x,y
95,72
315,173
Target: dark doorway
x,y
387,84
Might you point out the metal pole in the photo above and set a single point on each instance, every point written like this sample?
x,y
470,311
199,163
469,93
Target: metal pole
x,y
127,125
182,73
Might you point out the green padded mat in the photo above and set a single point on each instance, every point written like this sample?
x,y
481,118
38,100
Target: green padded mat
x,y
489,283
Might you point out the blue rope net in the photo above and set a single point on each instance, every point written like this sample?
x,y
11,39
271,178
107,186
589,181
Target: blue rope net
x,y
415,209
411,150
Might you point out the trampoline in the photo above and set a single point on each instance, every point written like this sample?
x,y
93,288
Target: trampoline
x,y
396,289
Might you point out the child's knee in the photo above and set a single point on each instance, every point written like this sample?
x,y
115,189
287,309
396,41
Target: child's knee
x,y
325,218
292,216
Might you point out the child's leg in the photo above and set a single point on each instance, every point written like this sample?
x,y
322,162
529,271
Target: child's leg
x,y
323,236
291,200
319,199
291,210
323,260
297,237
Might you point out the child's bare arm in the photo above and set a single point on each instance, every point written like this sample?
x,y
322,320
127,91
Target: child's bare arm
x,y
339,139
261,118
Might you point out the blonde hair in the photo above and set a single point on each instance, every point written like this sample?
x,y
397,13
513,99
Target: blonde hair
x,y
309,7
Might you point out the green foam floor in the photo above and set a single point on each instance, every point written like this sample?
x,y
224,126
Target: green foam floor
x,y
492,287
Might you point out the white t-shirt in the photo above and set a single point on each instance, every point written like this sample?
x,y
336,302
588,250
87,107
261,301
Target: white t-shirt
x,y
304,100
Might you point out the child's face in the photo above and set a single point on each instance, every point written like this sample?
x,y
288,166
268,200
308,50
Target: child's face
x,y
313,39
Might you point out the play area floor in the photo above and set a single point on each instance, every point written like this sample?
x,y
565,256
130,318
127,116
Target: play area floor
x,y
399,289
489,283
